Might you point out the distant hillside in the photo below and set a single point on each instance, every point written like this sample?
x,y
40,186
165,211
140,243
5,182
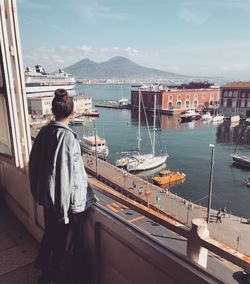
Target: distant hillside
x,y
116,68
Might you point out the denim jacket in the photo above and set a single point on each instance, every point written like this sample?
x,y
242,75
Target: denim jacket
x,y
58,180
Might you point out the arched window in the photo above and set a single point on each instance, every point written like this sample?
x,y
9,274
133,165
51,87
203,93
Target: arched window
x,y
187,104
170,105
178,105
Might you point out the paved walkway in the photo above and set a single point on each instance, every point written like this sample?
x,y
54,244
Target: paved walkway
x,y
17,249
233,231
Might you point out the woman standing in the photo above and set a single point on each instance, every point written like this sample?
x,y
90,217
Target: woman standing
x,y
58,182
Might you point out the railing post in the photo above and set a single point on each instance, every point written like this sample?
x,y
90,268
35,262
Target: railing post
x,y
195,252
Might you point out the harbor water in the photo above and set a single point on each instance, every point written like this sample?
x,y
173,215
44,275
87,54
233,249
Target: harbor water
x,y
187,145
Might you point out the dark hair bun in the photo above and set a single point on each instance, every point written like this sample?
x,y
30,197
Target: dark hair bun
x,y
60,93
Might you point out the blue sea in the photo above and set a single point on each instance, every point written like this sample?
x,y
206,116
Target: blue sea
x,y
187,145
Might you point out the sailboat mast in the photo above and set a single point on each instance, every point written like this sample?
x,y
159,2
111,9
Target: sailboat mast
x,y
139,124
235,109
153,146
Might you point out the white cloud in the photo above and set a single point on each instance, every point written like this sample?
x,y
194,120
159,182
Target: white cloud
x,y
51,57
173,68
93,10
235,67
198,12
131,51
193,14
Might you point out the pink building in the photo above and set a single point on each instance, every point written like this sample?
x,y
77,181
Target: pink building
x,y
175,101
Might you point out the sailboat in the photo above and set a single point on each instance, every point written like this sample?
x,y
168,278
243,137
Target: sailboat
x,y
218,118
235,118
135,161
241,160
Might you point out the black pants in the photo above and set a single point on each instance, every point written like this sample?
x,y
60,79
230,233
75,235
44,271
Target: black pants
x,y
61,254
52,248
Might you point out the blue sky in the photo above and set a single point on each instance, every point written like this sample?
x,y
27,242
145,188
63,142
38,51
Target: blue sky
x,y
186,37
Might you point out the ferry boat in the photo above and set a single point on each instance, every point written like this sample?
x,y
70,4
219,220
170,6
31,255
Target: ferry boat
x,y
38,81
91,112
75,121
189,115
92,144
167,176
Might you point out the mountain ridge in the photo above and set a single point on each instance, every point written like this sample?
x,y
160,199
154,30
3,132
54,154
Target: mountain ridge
x,y
117,67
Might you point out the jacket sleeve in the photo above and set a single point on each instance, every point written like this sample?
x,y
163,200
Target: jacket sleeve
x,y
64,176
34,167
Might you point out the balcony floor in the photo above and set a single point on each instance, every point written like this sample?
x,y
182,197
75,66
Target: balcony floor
x,y
18,251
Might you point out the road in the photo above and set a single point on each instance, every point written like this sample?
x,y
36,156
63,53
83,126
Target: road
x,y
216,265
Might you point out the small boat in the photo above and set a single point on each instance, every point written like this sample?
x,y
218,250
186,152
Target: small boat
x,y
189,115
91,112
92,144
206,116
218,118
241,160
235,118
248,181
75,121
167,176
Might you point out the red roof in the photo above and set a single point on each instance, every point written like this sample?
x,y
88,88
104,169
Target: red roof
x,y
236,85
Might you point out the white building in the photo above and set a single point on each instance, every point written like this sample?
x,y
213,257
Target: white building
x,y
42,105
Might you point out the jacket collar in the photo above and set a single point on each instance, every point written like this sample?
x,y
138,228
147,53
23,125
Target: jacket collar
x,y
55,123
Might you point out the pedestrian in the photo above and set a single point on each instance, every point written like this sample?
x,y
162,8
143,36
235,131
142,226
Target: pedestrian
x,y
134,185
58,182
218,216
223,211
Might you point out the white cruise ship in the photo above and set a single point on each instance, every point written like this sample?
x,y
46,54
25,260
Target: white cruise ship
x,y
38,81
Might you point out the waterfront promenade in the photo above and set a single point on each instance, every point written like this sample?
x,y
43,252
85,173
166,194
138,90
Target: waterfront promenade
x,y
233,231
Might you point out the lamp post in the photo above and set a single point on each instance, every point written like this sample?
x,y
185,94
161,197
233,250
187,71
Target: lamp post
x,y
147,192
210,182
96,158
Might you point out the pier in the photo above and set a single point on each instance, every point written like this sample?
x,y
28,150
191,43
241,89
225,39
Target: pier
x,y
235,229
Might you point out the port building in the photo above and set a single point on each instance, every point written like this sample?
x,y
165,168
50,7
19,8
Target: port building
x,y
235,99
41,105
173,100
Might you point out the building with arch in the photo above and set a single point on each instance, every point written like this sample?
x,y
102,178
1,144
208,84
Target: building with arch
x,y
172,101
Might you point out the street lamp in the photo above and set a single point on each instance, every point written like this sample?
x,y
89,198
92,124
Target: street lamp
x,y
210,183
96,156
147,192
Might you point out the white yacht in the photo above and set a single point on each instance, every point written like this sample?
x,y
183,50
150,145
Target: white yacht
x,y
206,116
218,118
135,161
92,144
38,81
189,115
235,118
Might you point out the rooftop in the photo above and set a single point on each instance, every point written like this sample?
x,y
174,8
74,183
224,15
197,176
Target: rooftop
x,y
236,85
